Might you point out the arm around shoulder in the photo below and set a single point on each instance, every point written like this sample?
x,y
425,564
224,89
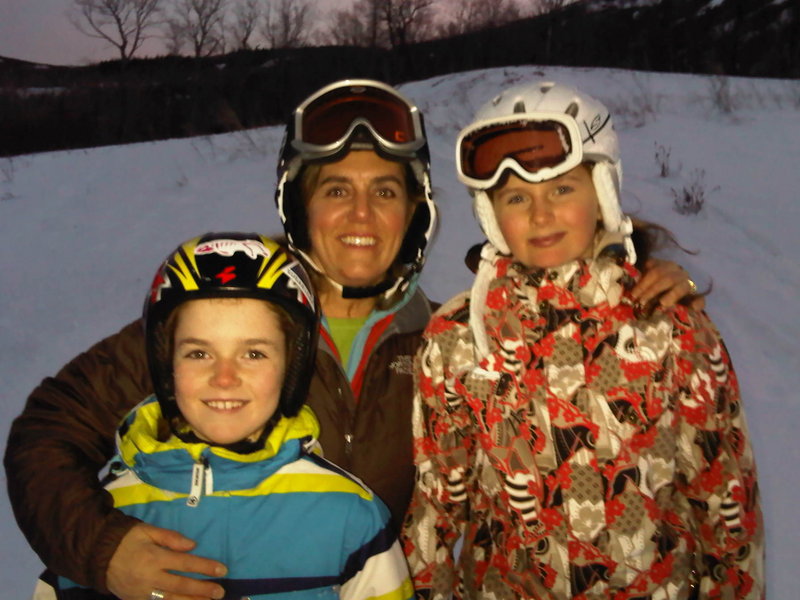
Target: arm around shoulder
x,y
56,448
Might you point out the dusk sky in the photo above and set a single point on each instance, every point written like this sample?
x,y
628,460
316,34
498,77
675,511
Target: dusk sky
x,y
40,31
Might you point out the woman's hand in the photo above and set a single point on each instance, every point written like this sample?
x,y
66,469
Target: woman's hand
x,y
667,283
143,561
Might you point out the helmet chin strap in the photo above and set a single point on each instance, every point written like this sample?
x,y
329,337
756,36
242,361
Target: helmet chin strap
x,y
387,286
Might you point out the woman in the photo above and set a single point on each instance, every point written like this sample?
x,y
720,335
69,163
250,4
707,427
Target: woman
x,y
354,197
578,448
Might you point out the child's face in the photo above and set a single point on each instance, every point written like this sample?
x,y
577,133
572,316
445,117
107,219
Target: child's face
x,y
550,223
229,363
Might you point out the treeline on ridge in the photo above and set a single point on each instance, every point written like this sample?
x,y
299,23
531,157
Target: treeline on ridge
x,y
50,108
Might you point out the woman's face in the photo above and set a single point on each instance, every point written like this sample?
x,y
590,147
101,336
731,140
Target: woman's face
x,y
358,213
229,362
549,223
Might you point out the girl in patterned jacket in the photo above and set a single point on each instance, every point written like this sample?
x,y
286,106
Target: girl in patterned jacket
x,y
224,451
567,443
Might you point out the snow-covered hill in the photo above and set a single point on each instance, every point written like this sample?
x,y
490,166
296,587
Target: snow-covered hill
x,y
84,230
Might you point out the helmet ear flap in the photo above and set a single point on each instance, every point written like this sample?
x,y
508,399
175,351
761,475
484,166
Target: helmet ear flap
x,y
484,212
300,353
606,179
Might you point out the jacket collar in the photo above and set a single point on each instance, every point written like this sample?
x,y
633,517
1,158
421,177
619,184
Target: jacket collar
x,y
579,283
168,464
409,314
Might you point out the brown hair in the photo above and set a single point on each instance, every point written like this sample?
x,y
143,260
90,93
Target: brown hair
x,y
650,237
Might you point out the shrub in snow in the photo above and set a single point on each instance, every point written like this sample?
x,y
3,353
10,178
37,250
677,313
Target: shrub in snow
x,y
691,198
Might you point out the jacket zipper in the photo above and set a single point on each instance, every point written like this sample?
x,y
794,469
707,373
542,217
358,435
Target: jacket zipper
x,y
348,435
201,482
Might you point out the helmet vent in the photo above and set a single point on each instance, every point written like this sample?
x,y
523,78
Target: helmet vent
x,y
519,107
572,110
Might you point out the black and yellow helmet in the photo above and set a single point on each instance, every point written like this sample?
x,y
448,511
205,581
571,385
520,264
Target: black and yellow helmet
x,y
232,265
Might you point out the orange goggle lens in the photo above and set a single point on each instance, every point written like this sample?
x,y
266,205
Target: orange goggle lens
x,y
534,145
327,119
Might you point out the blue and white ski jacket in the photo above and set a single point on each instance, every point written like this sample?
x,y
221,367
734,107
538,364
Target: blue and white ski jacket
x,y
287,523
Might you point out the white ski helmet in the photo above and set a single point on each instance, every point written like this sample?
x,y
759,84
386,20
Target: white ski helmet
x,y
569,128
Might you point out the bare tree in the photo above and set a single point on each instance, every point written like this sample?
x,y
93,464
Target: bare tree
x,y
346,29
361,25
474,15
406,21
382,23
541,7
122,23
198,24
247,14
287,23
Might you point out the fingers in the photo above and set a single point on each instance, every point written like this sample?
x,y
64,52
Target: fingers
x,y
679,290
664,282
176,546
141,565
167,538
189,563
178,587
698,303
173,596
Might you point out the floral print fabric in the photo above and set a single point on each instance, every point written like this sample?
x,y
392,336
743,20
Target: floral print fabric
x,y
591,454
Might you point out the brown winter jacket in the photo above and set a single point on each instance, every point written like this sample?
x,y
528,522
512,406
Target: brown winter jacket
x,y
65,435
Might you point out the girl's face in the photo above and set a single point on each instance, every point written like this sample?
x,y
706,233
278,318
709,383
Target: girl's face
x,y
229,363
549,223
358,213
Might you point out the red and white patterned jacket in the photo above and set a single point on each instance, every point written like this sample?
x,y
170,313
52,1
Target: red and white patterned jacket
x,y
589,454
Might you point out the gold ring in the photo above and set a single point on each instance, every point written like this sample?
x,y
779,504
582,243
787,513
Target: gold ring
x,y
157,595
692,287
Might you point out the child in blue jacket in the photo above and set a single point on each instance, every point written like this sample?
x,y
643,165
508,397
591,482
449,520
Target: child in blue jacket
x,y
224,451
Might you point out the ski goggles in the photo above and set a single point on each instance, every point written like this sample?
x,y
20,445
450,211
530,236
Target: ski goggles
x,y
536,147
324,123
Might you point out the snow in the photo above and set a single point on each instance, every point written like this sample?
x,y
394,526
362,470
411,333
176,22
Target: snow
x,y
84,231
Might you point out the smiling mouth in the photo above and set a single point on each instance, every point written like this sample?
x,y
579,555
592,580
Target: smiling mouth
x,y
360,241
546,241
224,405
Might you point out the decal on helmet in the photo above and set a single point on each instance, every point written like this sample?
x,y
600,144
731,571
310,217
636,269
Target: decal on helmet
x,y
227,275
159,282
251,248
294,272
